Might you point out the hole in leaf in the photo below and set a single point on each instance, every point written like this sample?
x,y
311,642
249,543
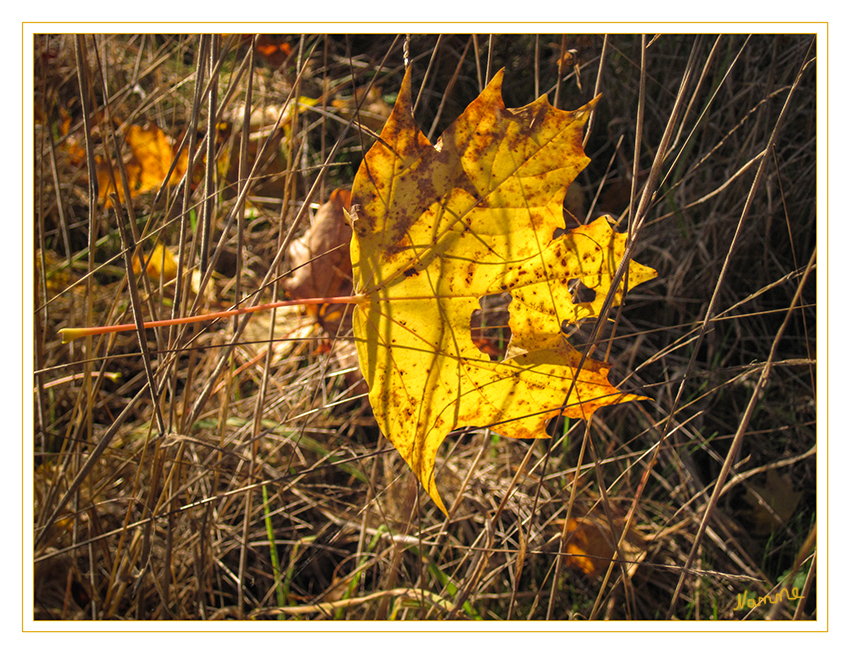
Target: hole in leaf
x,y
580,292
489,325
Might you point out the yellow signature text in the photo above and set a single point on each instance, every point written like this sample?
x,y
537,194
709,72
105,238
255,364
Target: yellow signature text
x,y
745,602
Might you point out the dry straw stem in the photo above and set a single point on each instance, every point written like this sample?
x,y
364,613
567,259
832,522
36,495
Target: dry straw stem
x,y
149,470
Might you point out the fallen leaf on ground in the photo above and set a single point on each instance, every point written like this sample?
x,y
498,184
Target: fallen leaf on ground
x,y
320,262
322,268
436,227
773,504
151,154
159,263
591,545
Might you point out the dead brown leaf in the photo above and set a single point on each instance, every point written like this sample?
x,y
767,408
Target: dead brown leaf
x,y
320,262
591,544
773,504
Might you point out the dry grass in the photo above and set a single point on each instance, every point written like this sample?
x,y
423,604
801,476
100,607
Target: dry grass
x,y
253,482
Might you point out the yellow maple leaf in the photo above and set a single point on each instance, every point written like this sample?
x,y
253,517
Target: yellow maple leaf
x,y
435,228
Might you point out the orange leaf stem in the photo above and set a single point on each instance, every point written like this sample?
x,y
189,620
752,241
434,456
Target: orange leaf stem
x,y
69,334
